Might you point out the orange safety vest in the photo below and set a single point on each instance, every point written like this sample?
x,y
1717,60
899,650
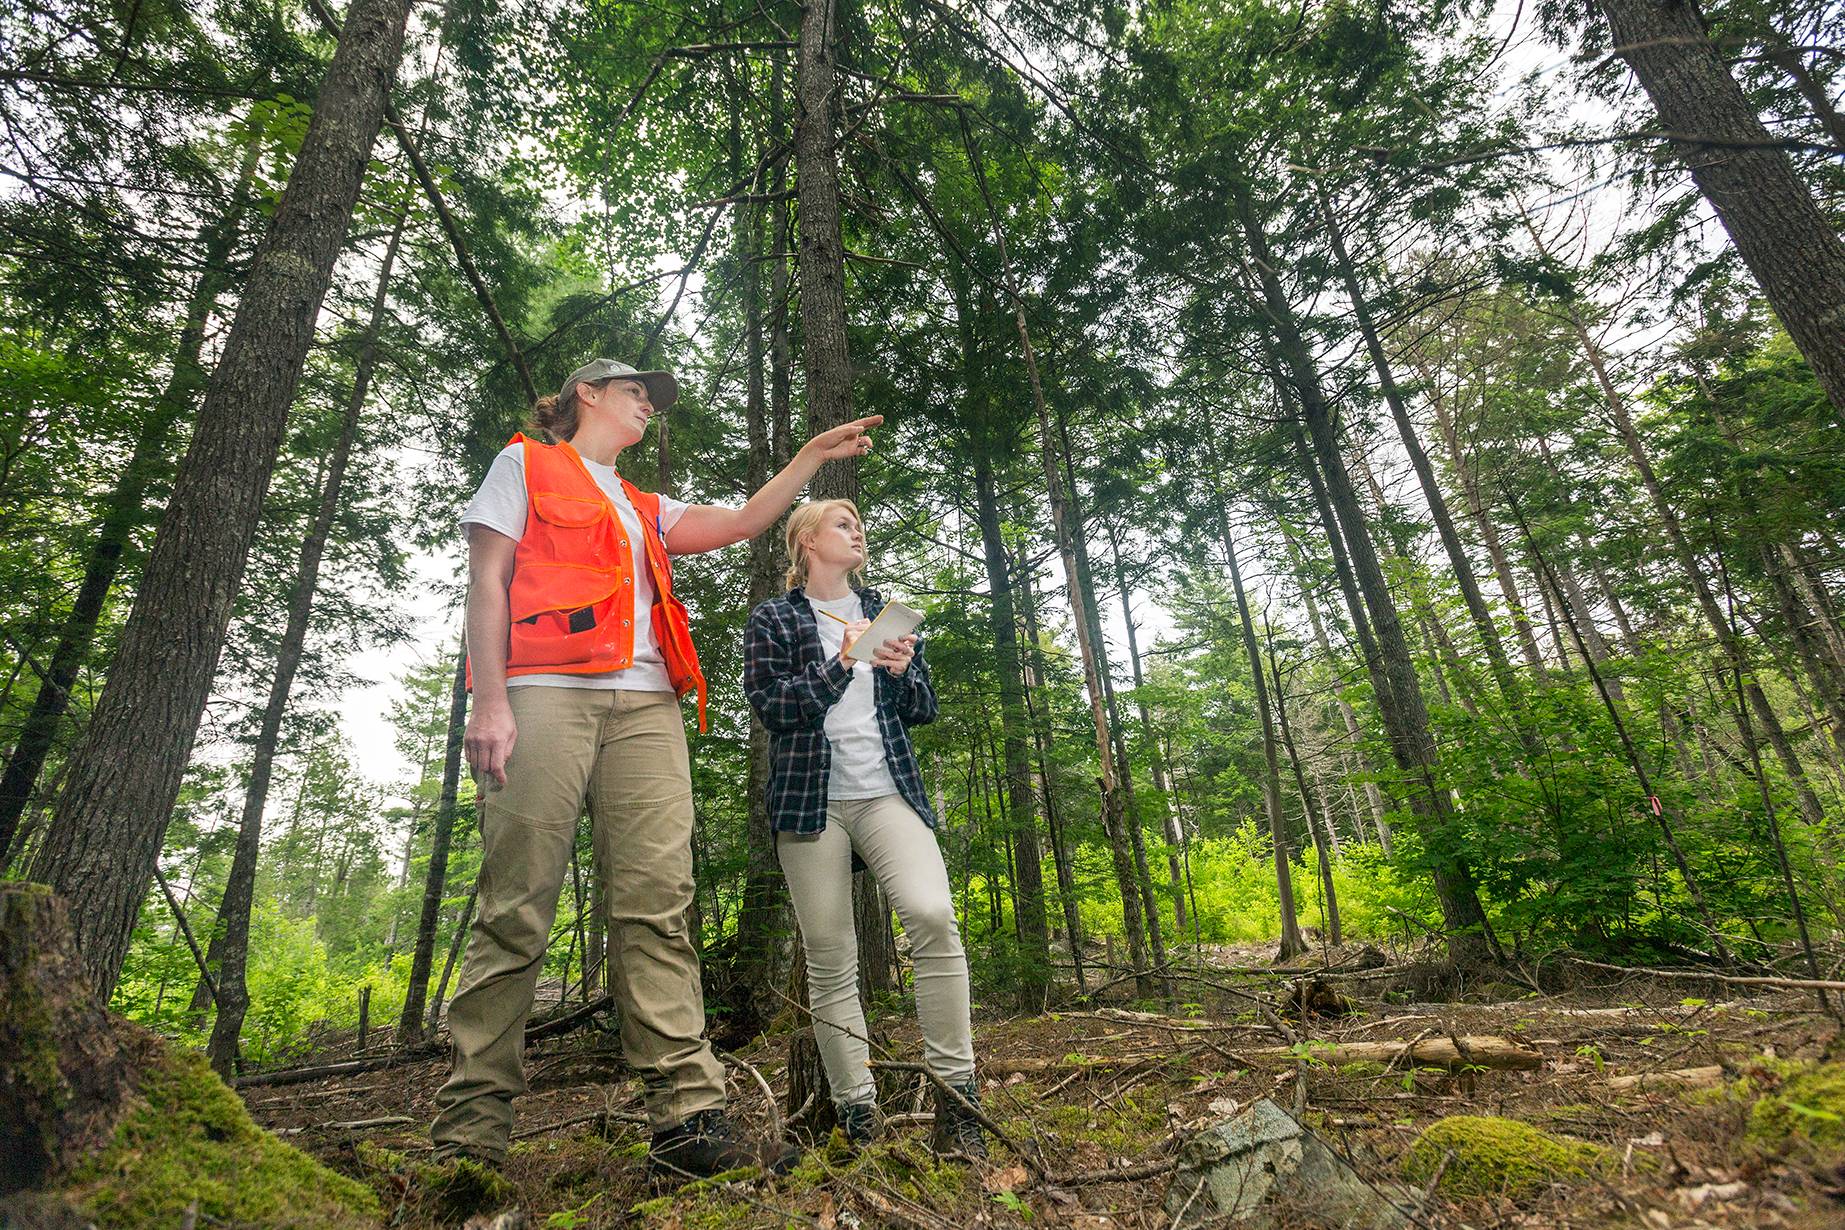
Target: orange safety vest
x,y
572,592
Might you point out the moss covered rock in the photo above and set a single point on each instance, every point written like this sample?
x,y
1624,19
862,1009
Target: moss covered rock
x,y
188,1139
1809,1109
1498,1157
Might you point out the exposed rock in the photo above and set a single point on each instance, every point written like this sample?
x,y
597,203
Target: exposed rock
x,y
1264,1170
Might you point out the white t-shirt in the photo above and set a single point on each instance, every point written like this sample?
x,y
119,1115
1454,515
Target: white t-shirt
x,y
859,770
501,505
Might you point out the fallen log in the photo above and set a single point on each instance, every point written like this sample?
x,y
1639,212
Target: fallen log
x,y
351,1067
1032,1066
350,1125
1484,1051
1677,1078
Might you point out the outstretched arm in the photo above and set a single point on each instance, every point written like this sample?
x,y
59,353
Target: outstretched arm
x,y
706,527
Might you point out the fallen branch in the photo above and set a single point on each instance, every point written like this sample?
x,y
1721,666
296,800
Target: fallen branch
x,y
1678,1078
1120,1174
1739,980
569,1021
352,1067
1483,1051
594,1116
350,1125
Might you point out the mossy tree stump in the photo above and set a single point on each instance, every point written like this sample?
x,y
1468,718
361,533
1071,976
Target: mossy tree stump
x,y
64,1071
101,1124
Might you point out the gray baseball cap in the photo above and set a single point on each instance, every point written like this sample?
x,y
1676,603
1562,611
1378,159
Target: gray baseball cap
x,y
662,387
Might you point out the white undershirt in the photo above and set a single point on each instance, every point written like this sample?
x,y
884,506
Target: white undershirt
x,y
859,770
501,504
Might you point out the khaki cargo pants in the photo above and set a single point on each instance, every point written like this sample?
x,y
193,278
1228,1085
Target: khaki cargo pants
x,y
624,751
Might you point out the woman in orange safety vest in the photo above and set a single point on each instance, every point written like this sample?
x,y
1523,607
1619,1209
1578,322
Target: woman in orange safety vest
x,y
578,654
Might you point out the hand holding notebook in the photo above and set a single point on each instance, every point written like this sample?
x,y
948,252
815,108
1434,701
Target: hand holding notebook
x,y
894,622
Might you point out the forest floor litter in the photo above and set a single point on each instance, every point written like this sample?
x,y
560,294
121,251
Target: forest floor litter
x,y
1626,1101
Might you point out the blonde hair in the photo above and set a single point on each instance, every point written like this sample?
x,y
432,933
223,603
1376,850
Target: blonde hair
x,y
804,521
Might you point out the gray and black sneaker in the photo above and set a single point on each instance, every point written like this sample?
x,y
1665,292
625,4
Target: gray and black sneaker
x,y
708,1143
862,1122
956,1129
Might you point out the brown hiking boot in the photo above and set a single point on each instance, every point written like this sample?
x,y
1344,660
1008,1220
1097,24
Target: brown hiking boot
x,y
708,1143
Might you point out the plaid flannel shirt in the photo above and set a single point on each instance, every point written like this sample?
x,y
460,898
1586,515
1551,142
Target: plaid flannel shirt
x,y
792,682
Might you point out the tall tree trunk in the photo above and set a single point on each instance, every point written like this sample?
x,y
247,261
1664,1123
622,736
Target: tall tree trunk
x,y
1341,558
1458,563
1335,932
1483,525
1374,797
982,432
1807,583
1169,816
821,259
435,875
1135,829
1827,679
1292,943
234,914
110,822
1066,527
1040,717
1405,714
1778,229
1034,926
122,512
1633,757
762,918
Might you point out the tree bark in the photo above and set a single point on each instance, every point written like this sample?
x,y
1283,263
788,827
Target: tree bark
x,y
1034,926
111,820
762,917
234,913
121,514
1770,214
1335,932
64,1071
1374,797
1040,717
1488,532
1131,821
821,252
1733,648
435,875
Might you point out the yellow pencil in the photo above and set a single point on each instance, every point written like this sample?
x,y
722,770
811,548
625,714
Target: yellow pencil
x,y
836,619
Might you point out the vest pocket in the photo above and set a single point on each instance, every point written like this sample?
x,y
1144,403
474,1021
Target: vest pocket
x,y
568,511
563,614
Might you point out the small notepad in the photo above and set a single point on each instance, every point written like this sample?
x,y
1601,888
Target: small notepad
x,y
894,621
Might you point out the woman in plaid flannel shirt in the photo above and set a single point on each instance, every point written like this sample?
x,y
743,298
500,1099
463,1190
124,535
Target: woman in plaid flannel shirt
x,y
844,786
